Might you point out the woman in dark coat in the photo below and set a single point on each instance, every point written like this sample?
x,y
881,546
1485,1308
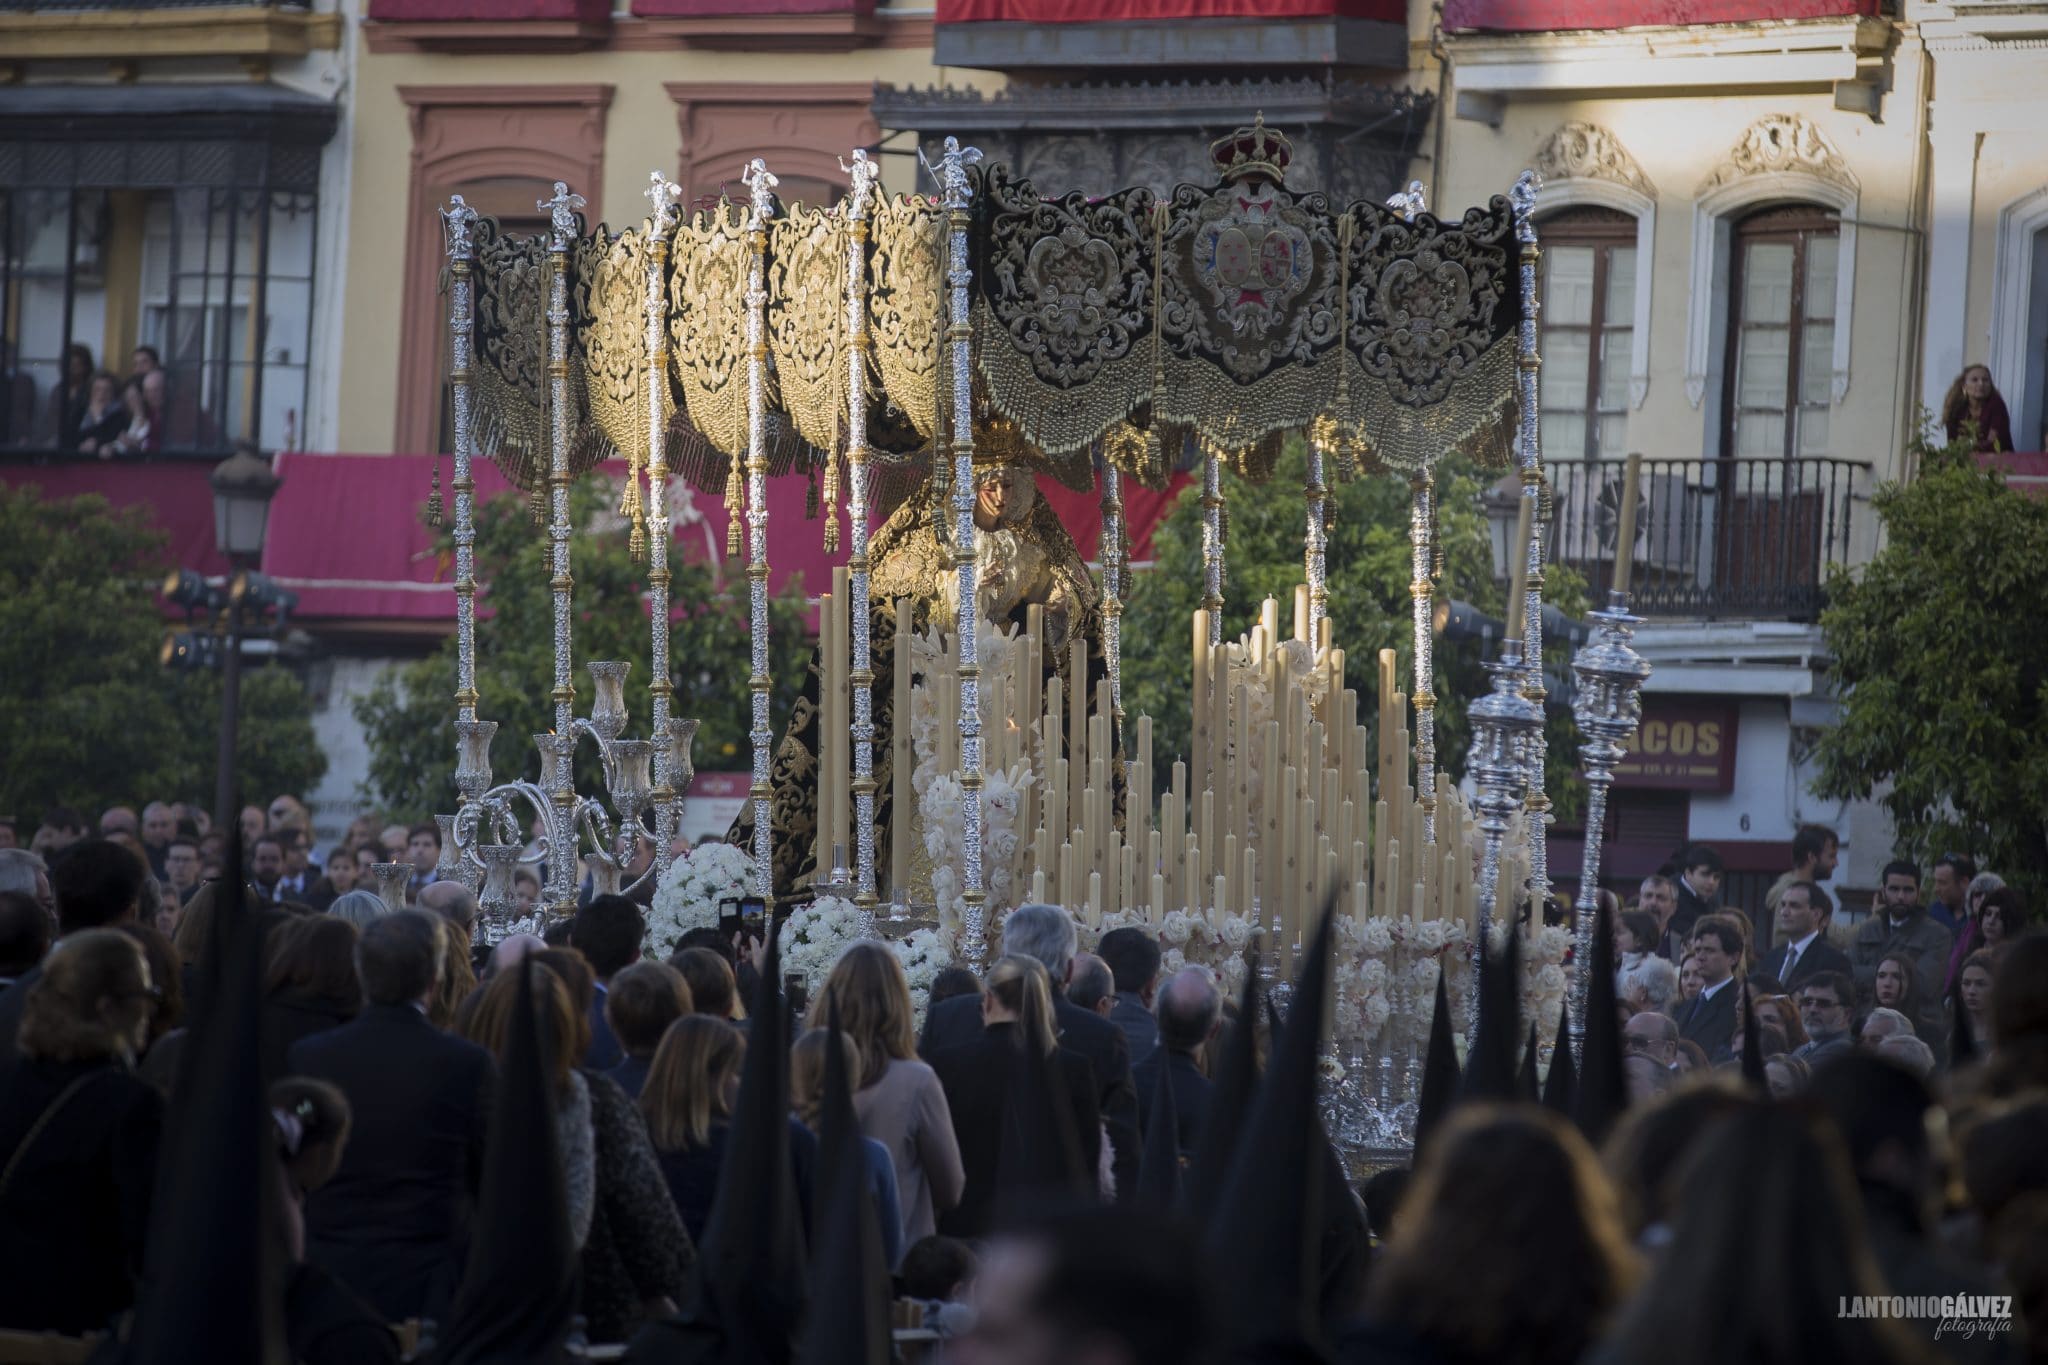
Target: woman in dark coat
x,y
310,986
78,1140
1013,1145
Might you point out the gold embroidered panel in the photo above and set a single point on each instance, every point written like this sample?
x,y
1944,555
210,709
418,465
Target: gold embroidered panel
x,y
615,360
1433,315
708,325
906,305
806,320
1063,319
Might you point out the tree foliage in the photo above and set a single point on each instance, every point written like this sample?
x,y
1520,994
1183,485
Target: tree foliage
x,y
90,716
409,716
1369,568
1942,669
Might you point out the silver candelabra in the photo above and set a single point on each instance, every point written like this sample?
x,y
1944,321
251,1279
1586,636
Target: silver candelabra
x,y
1608,709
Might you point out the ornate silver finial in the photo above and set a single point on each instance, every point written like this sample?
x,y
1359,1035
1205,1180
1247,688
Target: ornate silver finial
x,y
1410,201
458,223
561,209
951,172
863,173
1523,199
663,193
760,183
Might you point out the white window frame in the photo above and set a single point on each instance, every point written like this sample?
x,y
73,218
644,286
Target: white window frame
x,y
2012,287
1714,216
1558,195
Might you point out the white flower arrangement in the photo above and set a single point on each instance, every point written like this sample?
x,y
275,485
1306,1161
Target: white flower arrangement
x,y
923,955
815,935
689,896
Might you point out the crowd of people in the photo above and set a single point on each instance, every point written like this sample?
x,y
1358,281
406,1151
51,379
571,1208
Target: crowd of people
x,y
1770,1142
93,411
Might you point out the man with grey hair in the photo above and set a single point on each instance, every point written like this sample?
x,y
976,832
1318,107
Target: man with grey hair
x,y
1650,985
26,872
1908,1052
1092,986
159,827
456,903
1190,1011
1881,1024
1046,932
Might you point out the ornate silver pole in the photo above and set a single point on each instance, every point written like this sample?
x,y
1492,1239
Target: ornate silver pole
x,y
1315,543
1529,455
1608,708
864,174
662,194
761,207
1422,489
1212,543
458,226
561,211
957,190
1503,722
1113,554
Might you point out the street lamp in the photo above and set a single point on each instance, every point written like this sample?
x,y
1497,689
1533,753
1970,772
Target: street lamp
x,y
243,485
1502,504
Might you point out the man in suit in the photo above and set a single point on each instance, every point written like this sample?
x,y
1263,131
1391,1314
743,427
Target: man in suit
x,y
1816,850
1046,932
1133,958
393,1223
1803,948
1710,1019
1826,1002
1190,1011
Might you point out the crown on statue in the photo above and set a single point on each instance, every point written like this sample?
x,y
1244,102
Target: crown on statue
x,y
1254,151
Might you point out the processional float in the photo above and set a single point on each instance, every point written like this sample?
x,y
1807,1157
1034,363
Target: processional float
x,y
917,343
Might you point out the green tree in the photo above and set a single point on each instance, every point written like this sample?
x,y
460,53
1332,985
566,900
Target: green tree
x,y
1942,669
91,717
408,717
1369,568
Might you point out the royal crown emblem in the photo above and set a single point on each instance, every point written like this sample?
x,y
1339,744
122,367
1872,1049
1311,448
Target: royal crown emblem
x,y
1254,152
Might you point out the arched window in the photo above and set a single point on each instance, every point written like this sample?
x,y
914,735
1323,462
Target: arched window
x,y
1781,333
1588,292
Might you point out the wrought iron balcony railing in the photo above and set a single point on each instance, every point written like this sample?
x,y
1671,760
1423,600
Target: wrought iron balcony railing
x,y
1728,539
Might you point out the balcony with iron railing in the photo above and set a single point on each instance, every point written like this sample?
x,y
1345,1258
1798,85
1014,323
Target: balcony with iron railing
x,y
1737,539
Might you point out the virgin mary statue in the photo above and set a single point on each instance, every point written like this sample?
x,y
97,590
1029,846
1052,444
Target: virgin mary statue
x,y
1023,555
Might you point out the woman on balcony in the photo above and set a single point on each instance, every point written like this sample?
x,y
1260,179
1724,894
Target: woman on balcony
x,y
1973,404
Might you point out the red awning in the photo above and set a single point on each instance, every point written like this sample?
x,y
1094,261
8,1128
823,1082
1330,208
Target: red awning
x,y
346,532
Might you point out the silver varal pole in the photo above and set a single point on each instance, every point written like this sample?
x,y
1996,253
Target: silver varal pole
x,y
1529,456
864,174
1503,721
1212,543
1608,708
761,207
561,211
957,189
458,229
1315,543
662,194
1112,552
1422,490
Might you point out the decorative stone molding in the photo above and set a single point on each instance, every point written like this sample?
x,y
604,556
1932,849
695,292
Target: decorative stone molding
x,y
1780,144
1780,158
1586,151
802,131
463,135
